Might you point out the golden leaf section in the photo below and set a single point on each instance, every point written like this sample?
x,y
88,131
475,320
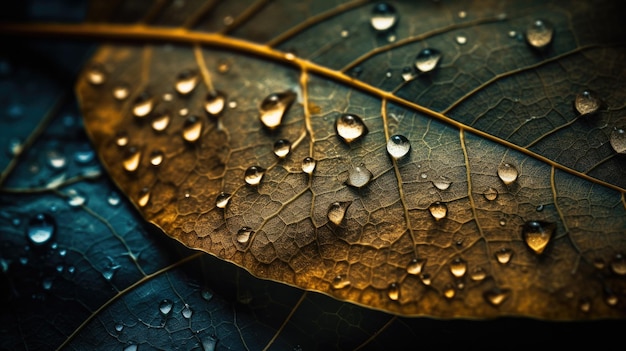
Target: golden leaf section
x,y
463,224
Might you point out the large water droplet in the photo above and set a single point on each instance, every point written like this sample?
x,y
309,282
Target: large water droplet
x,y
340,281
143,105
442,183
222,200
438,210
359,176
618,264
192,129
416,266
76,198
282,147
40,229
539,34
458,267
160,122
243,234
337,212
156,157
427,60
537,234
121,92
587,102
504,255
495,296
273,108
393,291
618,140
187,312
186,81
490,194
131,159
214,103
308,165
384,17
144,197
96,74
350,127
398,146
165,307
507,173
254,174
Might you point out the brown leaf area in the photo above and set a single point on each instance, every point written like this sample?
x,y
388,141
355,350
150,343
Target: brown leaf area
x,y
509,202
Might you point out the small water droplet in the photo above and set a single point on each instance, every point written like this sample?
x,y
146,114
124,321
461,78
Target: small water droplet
x,y
131,159
62,252
308,165
507,173
599,263
160,122
214,103
84,156
344,33
209,343
496,296
165,307
144,197
389,73
254,174
384,17
119,327
192,129
113,199
76,198
618,140
282,147
359,176
458,267
183,112
108,274
587,102
398,146
584,305
131,347
502,222
478,274
71,269
273,108
60,268
426,278
618,264
143,105
121,139
350,127
46,283
156,157
121,92
408,74
96,74
442,183
15,147
427,60
461,39
56,159
40,229
393,291
448,291
512,34
415,266
504,255
337,212
537,234
340,281
611,299
222,200
462,14
186,81
438,210
539,208
243,234
539,34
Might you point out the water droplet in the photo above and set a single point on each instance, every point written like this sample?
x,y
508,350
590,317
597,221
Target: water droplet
x,y
461,39
121,139
192,129
214,103
165,307
584,305
504,255
254,174
427,60
587,102
478,274
156,157
160,122
15,147
611,299
426,279
62,252
273,108
618,140
71,269
143,105
96,74
537,234
119,327
209,343
131,347
308,165
539,34
350,127
618,264
442,183
222,200
40,229
282,148
512,34
384,17
340,281
539,208
416,266
46,283
462,14
131,159
243,235
76,198
438,210
84,156
398,146
359,176
408,74
458,267
507,173
121,92
599,263
60,268
337,212
496,296
344,33
502,222
144,197
449,292
113,199
108,274
56,159
393,291
186,81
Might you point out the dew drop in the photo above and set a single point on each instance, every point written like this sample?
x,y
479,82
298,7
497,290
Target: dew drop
x,y
131,159
243,234
416,266
426,278
344,33
222,200
507,173
359,176
282,147
449,292
131,347
119,327
143,105
96,74
495,296
438,210
113,199
273,108
337,212
398,146
214,103
462,14
539,34
46,283
340,281
186,82
308,165
408,74
539,208
442,183
15,147
71,269
186,312
206,294
427,60
209,343
393,291
121,92
599,263
223,66
165,307
350,127
461,39
84,156
40,229
537,234
584,305
121,139
76,198
458,267
144,197
587,102
384,17
611,299
618,264
478,274
618,140
56,160
192,129
254,174
156,157
161,122
504,255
